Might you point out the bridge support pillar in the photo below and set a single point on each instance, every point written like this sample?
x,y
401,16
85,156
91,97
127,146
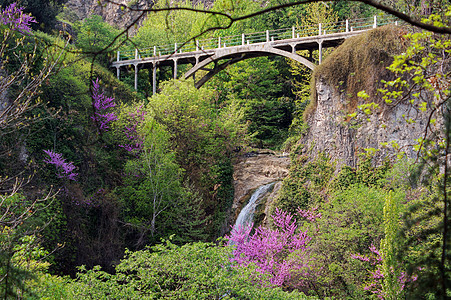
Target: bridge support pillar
x,y
175,69
154,79
118,69
320,50
136,77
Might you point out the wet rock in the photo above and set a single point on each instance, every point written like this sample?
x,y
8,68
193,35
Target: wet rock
x,y
251,172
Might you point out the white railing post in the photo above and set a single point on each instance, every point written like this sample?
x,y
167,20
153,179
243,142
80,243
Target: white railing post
x,y
242,39
375,22
320,29
267,35
175,47
293,32
219,42
154,50
197,45
118,55
347,25
136,53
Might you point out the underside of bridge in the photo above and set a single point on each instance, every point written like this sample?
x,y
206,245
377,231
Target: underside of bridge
x,y
214,60
222,59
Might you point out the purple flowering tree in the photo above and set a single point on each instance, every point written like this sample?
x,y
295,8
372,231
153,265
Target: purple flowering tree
x,y
14,17
63,169
375,281
101,104
271,249
14,25
135,141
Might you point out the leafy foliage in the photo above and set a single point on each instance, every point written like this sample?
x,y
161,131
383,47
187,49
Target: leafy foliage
x,y
203,139
167,271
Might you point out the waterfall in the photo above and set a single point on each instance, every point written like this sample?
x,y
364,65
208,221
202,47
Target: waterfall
x,y
246,216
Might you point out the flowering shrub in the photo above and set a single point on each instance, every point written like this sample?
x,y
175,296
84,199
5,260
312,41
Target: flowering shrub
x,y
135,140
269,249
14,17
376,277
64,169
101,103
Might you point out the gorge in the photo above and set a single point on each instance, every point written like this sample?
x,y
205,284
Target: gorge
x,y
121,189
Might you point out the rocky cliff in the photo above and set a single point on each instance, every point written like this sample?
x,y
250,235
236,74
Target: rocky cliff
x,y
117,14
253,171
360,64
330,130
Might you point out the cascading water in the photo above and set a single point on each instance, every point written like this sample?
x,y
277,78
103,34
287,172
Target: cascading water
x,y
246,216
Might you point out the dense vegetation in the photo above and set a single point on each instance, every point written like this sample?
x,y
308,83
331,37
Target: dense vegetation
x,y
109,193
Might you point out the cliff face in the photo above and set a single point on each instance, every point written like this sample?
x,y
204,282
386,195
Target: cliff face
x,y
331,132
360,64
251,172
115,14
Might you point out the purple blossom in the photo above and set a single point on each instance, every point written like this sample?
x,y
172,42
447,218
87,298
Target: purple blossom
x,y
309,214
269,249
100,104
14,17
376,277
136,142
64,169
360,257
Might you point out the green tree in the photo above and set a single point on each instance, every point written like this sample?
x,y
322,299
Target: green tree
x,y
94,35
167,271
153,185
390,247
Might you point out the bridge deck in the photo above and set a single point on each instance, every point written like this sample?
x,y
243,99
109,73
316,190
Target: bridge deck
x,y
303,43
284,42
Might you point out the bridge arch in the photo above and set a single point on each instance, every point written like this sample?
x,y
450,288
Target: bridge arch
x,y
233,56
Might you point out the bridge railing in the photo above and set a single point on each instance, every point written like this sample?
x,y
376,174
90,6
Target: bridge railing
x,y
258,37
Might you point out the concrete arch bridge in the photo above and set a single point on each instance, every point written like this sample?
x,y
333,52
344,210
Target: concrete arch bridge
x,y
215,54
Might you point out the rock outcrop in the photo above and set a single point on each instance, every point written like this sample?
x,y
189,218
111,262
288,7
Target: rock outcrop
x,y
254,171
332,132
116,14
360,63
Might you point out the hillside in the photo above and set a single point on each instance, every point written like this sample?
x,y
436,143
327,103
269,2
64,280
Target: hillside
x,y
341,175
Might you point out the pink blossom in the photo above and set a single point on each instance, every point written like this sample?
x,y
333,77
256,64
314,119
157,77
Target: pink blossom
x,y
100,104
136,142
269,249
64,169
14,17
